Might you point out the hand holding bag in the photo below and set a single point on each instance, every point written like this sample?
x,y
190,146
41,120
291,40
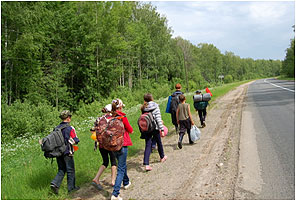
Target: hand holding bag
x,y
195,133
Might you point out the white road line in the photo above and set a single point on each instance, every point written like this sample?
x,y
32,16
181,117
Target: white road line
x,y
279,86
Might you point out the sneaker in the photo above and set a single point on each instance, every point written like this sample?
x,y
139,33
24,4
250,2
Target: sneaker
x,y
97,186
180,145
204,124
127,186
54,188
148,168
76,188
113,197
163,159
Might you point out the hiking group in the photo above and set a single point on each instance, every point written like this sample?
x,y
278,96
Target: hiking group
x,y
111,134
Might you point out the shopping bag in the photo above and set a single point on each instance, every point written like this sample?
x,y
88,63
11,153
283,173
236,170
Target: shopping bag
x,y
195,133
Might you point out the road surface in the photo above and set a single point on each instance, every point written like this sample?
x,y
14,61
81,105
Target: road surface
x,y
267,155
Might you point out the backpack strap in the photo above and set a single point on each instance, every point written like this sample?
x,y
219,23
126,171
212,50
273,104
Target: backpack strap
x,y
62,126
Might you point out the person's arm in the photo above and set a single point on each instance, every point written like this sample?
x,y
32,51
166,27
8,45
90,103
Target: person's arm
x,y
127,125
192,122
177,115
73,135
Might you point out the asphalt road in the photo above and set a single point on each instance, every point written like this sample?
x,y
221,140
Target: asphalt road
x,y
271,105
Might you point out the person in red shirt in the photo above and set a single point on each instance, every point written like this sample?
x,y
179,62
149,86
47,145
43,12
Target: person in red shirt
x,y
121,156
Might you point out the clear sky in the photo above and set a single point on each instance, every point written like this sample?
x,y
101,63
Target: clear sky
x,y
249,29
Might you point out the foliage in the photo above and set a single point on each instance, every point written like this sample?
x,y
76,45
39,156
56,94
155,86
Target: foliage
x,y
288,68
69,53
228,79
26,120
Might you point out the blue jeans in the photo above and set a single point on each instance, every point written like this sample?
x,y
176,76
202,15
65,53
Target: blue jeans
x,y
121,170
65,165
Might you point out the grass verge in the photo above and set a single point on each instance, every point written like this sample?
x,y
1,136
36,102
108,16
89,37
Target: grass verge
x,y
26,174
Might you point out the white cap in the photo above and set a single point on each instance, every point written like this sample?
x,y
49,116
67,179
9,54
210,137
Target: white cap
x,y
108,107
118,102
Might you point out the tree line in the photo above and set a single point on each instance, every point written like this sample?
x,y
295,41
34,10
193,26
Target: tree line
x,y
66,53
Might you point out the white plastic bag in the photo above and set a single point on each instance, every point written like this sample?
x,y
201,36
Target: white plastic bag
x,y
195,133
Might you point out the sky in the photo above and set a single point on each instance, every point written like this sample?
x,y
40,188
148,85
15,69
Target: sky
x,y
249,29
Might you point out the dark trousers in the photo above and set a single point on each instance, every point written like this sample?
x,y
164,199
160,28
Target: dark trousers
x,y
185,125
148,141
202,115
104,154
65,165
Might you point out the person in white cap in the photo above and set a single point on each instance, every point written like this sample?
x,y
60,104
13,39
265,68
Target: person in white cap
x,y
121,155
104,153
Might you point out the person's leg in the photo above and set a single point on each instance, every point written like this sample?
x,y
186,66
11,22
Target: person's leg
x,y
113,167
121,170
153,144
200,116
157,137
174,120
147,152
204,115
181,133
113,174
188,126
61,172
104,154
69,160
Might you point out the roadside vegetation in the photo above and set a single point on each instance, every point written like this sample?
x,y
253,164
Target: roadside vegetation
x,y
26,174
80,56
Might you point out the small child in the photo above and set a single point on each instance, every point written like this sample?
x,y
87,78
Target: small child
x,y
184,119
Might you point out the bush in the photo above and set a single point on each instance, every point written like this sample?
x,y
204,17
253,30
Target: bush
x,y
26,120
228,79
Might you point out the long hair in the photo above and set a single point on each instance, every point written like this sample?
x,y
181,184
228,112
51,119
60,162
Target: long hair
x,y
114,108
147,98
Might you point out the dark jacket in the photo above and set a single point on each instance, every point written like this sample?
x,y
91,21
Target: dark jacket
x,y
67,133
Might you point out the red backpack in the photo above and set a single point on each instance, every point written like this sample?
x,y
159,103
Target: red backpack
x,y
110,132
146,123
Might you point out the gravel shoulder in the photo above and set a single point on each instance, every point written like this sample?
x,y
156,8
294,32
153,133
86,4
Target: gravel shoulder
x,y
206,170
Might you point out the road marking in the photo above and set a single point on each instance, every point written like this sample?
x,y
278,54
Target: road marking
x,y
279,86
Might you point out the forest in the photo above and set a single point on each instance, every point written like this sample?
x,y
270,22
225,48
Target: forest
x,y
67,55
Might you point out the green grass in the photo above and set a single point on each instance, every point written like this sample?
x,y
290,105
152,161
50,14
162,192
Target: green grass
x,y
26,174
285,78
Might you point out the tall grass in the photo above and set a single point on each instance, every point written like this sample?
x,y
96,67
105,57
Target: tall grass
x,y
26,174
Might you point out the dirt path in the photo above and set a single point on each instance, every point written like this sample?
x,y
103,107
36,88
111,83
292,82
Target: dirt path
x,y
206,170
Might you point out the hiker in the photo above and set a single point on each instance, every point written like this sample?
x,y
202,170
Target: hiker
x,y
174,105
150,106
106,155
121,155
66,161
201,108
184,119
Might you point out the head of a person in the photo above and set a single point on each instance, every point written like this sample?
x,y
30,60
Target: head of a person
x,y
117,104
107,108
178,87
148,97
182,98
198,92
66,115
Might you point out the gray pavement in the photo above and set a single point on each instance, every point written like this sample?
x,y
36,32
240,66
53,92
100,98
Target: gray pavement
x,y
271,104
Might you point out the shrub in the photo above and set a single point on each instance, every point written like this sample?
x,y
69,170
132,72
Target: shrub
x,y
26,120
228,79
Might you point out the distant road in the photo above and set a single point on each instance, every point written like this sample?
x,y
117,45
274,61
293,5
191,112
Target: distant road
x,y
268,159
